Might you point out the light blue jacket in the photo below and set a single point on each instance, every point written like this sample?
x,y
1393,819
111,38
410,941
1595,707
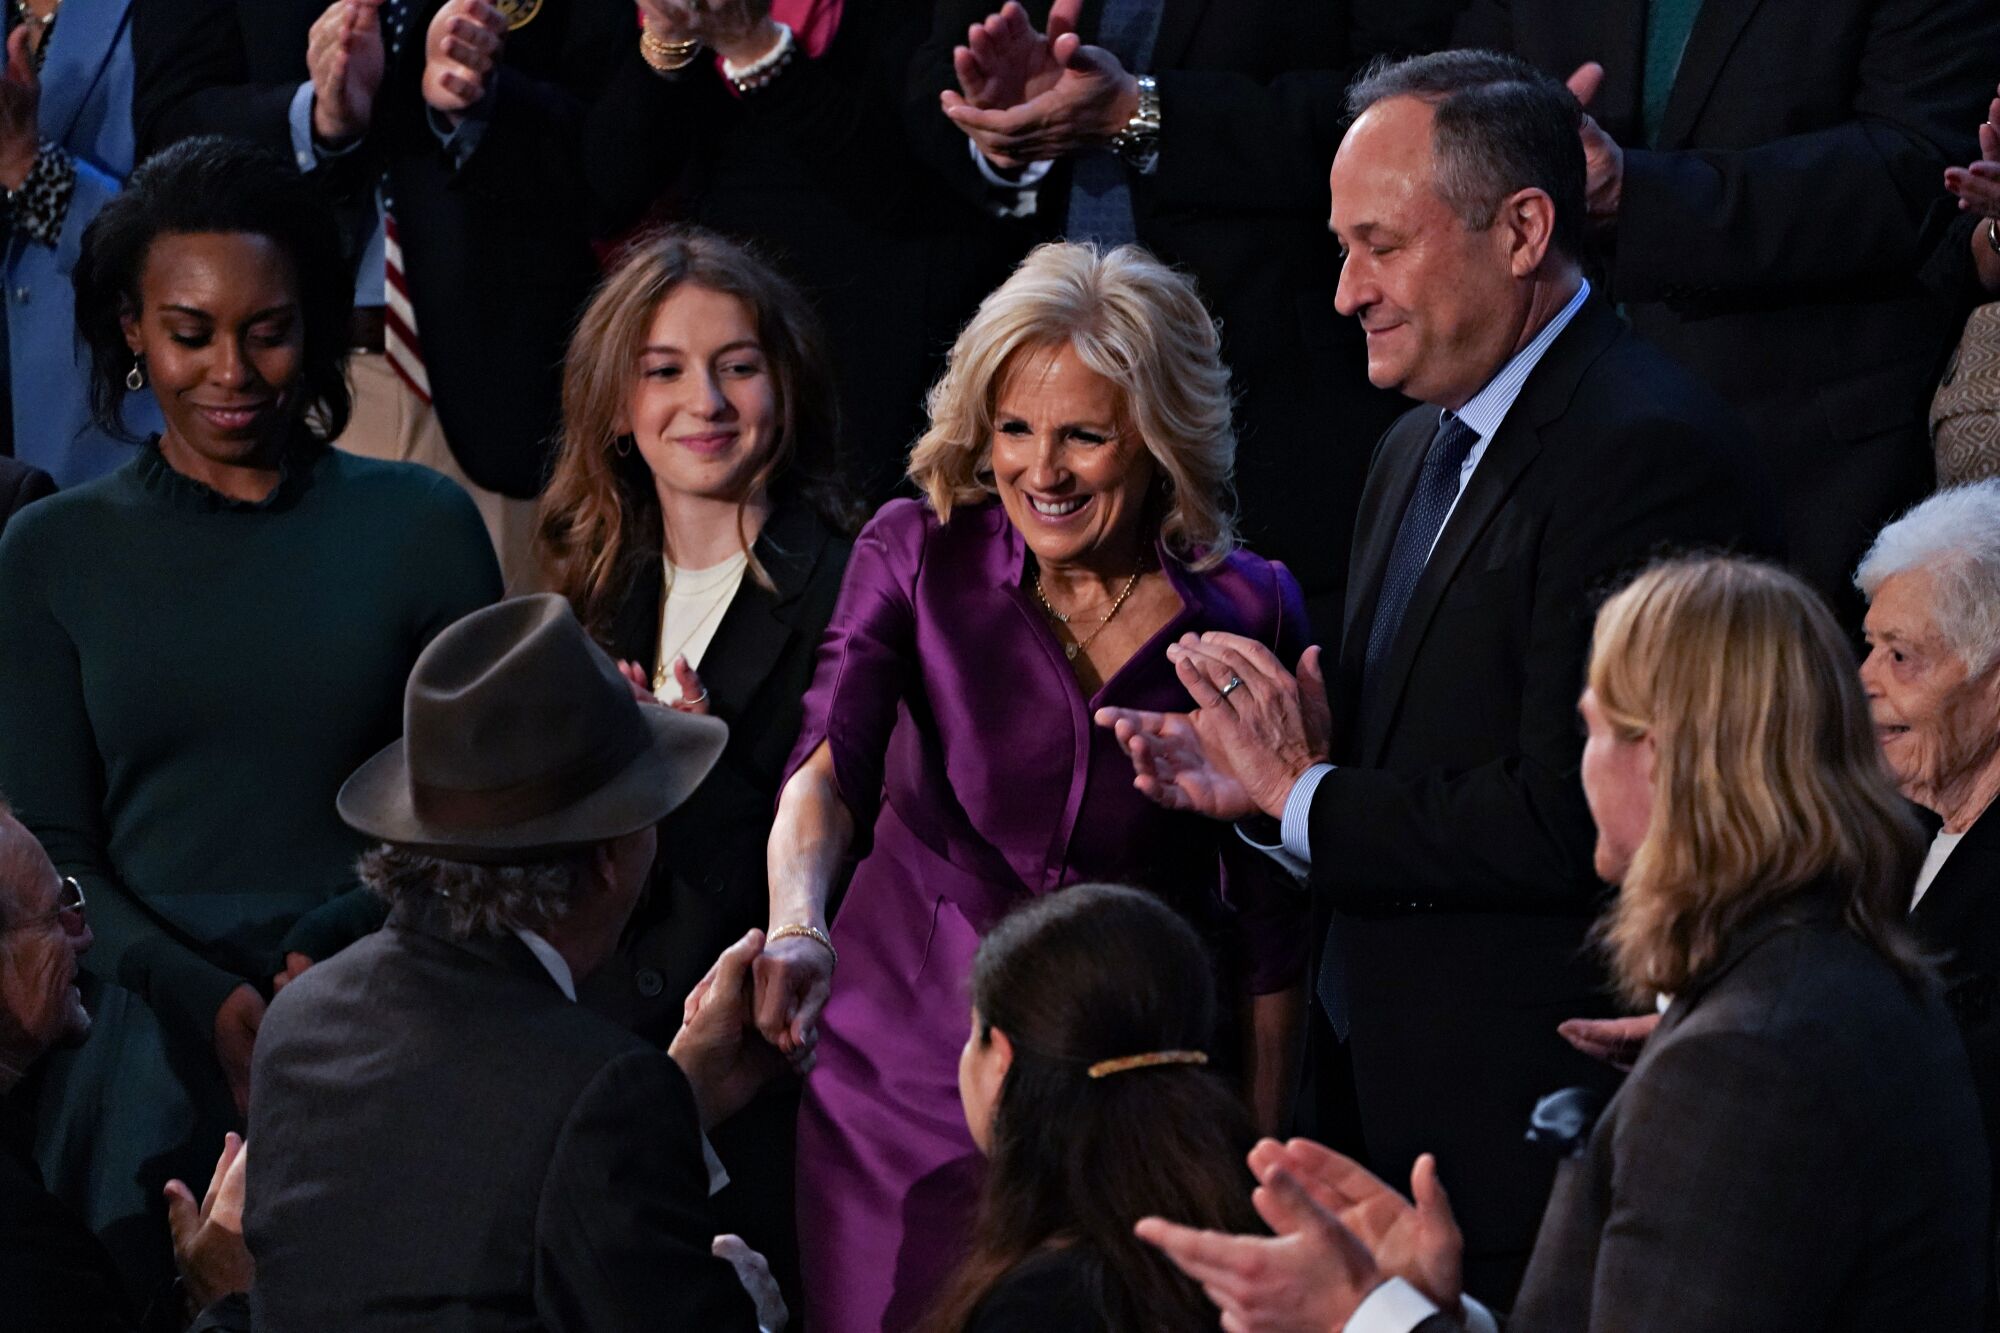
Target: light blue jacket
x,y
87,108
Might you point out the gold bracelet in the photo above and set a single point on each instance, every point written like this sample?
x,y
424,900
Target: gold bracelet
x,y
664,56
814,933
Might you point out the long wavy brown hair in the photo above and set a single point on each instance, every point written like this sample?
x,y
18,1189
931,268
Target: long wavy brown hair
x,y
1093,973
1768,781
599,518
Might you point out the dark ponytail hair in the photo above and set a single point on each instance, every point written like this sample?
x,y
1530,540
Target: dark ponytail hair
x,y
1088,974
205,185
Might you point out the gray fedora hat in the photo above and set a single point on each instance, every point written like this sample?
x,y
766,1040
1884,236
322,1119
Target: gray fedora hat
x,y
520,739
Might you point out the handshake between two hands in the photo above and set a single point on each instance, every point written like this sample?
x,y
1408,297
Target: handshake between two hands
x,y
754,1014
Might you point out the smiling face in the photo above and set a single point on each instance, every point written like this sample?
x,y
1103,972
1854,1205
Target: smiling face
x,y
1071,470
1618,787
1939,725
1440,304
223,337
704,407
40,1008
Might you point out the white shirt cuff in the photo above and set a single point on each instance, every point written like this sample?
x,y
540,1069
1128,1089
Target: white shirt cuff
x,y
1296,827
718,1175
1477,1318
1015,198
1393,1307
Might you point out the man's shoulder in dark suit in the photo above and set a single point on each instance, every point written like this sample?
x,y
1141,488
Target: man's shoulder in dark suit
x,y
439,1127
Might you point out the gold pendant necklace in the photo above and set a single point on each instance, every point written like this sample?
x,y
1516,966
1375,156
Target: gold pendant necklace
x,y
1075,646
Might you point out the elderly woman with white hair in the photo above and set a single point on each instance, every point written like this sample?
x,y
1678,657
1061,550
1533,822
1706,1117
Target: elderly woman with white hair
x,y
1932,675
1076,520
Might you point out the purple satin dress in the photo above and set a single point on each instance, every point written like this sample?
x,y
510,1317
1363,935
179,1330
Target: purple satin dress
x,y
965,749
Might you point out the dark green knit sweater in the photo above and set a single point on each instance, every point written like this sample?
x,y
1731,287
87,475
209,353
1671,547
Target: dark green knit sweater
x,y
186,680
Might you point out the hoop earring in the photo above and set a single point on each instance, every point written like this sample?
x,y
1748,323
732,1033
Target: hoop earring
x,y
622,446
135,378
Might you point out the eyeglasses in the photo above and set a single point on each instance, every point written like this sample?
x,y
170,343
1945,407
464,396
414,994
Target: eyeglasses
x,y
70,903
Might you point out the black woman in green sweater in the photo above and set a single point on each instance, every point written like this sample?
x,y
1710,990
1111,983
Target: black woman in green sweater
x,y
198,648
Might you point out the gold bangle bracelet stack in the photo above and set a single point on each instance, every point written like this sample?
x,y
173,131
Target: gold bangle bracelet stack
x,y
664,56
813,933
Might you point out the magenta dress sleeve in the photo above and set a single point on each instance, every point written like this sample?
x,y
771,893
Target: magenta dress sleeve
x,y
1272,907
867,661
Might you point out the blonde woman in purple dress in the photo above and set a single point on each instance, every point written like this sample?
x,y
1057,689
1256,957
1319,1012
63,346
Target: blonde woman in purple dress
x,y
1076,523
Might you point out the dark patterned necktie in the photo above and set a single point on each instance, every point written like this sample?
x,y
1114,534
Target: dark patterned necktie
x,y
1100,198
1430,504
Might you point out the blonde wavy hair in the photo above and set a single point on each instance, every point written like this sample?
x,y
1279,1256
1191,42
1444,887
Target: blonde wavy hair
x,y
600,513
1767,778
1141,326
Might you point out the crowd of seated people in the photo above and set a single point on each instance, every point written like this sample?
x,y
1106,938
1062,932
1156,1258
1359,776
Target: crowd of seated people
x,y
581,579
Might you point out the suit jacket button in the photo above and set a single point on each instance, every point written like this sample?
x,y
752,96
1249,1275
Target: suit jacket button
x,y
22,294
650,983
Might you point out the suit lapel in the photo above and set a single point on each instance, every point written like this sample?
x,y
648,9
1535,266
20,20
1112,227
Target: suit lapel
x,y
1714,34
1963,887
1542,400
1178,21
635,633
1512,448
86,35
1384,496
758,623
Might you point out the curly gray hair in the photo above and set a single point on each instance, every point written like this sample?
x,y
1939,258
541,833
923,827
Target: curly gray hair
x,y
472,899
1955,535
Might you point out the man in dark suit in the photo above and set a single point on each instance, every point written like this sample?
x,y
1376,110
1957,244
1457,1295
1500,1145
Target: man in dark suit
x,y
1448,844
1153,128
442,1133
1767,179
58,1277
21,485
463,117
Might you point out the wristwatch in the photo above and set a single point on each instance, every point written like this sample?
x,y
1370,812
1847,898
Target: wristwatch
x,y
1139,142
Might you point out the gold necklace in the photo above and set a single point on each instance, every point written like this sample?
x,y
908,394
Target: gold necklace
x,y
1075,646
666,667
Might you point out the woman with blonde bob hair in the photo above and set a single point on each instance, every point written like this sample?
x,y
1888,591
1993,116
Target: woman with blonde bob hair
x,y
1139,326
1767,778
1076,523
694,523
1798,1147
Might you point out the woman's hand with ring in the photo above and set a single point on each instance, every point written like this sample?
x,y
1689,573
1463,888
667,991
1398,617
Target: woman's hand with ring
x,y
694,694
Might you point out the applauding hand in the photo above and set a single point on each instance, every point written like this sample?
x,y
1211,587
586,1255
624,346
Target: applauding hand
x,y
1032,97
345,58
1256,730
460,54
20,110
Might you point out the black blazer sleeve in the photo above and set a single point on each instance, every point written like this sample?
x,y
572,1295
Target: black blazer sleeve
x,y
191,75
1514,832
623,1231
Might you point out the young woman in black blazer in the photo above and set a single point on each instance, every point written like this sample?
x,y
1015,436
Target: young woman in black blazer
x,y
694,521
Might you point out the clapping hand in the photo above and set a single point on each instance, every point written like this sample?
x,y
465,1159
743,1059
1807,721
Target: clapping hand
x,y
208,1237
345,57
236,1024
461,51
724,1058
1005,62
1603,159
1338,1234
20,110
1978,185
740,31
1032,97
1256,729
